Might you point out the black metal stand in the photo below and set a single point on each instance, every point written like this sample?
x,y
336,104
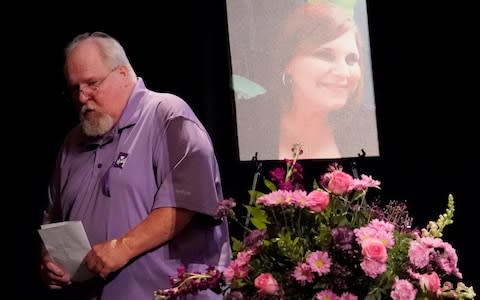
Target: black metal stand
x,y
257,172
354,165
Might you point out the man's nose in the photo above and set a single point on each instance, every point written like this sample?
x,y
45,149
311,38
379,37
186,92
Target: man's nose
x,y
83,97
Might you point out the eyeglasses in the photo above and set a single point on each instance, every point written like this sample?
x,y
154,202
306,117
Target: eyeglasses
x,y
90,88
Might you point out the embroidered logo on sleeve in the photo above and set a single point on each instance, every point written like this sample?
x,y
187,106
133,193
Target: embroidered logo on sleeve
x,y
121,160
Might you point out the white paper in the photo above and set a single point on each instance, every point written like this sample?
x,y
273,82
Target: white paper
x,y
67,243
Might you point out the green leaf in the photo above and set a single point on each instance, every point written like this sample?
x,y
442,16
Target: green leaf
x,y
270,185
315,185
258,216
254,194
237,245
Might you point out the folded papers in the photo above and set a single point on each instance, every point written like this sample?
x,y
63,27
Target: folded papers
x,y
67,244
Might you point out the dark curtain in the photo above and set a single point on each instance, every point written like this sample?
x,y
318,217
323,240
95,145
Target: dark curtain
x,y
424,69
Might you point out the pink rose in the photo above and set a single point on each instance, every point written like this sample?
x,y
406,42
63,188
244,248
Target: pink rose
x,y
266,284
317,200
340,182
375,250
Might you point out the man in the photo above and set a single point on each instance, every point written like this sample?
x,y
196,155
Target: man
x,y
140,172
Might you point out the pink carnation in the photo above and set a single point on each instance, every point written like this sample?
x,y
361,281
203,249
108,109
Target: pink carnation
x,y
372,267
365,182
377,229
419,254
403,290
279,197
238,268
299,198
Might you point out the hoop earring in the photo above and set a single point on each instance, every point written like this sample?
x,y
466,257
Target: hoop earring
x,y
286,80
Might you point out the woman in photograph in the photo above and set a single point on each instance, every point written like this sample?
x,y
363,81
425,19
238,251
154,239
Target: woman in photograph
x,y
314,93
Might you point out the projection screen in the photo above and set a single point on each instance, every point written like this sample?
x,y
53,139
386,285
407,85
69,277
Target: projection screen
x,y
301,74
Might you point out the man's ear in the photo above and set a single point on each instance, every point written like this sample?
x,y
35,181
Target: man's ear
x,y
123,70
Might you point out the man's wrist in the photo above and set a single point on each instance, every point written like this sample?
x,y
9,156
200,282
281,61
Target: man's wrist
x,y
127,247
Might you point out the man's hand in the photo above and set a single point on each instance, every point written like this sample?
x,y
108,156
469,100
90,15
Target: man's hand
x,y
52,274
107,257
161,225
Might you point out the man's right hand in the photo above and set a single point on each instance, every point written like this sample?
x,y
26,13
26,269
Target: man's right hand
x,y
52,274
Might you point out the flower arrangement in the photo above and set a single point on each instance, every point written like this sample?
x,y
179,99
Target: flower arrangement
x,y
330,243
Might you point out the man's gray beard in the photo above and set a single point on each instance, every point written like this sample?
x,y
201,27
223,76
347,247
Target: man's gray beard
x,y
96,124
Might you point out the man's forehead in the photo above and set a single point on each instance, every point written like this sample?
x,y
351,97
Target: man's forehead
x,y
82,65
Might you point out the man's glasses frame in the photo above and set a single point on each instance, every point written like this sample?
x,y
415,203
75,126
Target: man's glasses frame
x,y
90,88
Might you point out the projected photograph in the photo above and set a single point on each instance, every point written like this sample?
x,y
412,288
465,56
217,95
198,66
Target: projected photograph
x,y
301,73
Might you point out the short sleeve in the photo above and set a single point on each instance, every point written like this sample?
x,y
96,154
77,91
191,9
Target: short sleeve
x,y
187,172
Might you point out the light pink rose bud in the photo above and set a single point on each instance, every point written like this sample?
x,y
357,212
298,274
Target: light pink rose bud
x,y
431,282
266,284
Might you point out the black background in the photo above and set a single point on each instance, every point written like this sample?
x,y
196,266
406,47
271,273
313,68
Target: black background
x,y
425,69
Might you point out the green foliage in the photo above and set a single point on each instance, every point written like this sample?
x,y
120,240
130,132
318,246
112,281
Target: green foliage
x,y
270,185
258,216
398,256
435,229
237,245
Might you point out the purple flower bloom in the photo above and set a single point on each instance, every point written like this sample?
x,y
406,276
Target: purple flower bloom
x,y
342,237
254,239
278,175
225,208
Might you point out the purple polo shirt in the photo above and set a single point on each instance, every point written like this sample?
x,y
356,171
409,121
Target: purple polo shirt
x,y
158,155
